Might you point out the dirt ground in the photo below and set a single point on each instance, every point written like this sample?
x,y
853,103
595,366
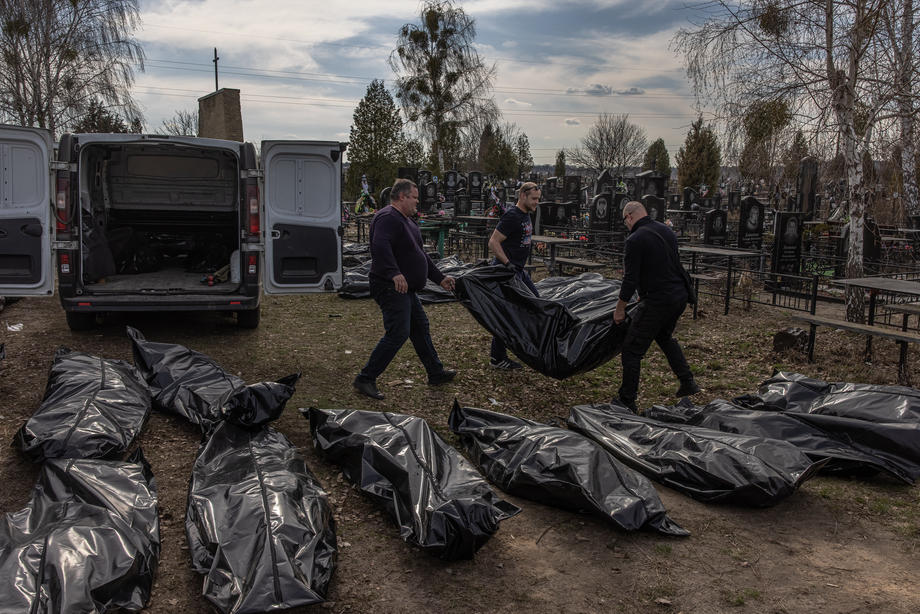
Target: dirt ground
x,y
835,546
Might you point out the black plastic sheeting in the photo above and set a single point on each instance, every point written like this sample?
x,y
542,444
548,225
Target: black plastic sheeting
x,y
559,467
438,500
190,384
885,419
93,408
568,330
259,525
355,282
705,464
87,541
844,455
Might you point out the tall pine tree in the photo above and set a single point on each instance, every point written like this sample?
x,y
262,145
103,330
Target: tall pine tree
x,y
657,158
523,157
699,160
376,143
559,169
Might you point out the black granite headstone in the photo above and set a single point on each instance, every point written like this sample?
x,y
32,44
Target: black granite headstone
x,y
601,211
551,189
734,200
450,186
409,173
654,206
691,197
428,197
787,243
475,185
461,203
605,183
384,198
750,224
651,182
714,227
807,186
423,177
572,189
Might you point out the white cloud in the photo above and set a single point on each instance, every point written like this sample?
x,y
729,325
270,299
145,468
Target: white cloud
x,y
572,121
594,89
517,103
633,91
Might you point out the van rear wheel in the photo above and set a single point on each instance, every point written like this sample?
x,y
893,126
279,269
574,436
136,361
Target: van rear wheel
x,y
249,318
80,320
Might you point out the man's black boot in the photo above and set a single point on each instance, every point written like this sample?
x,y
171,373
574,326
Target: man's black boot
x,y
441,378
367,388
687,387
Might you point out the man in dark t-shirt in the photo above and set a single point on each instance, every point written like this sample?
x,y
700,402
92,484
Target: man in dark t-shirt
x,y
510,243
399,269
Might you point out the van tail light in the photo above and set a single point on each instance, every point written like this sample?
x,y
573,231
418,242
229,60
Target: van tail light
x,y
62,201
251,266
64,264
252,202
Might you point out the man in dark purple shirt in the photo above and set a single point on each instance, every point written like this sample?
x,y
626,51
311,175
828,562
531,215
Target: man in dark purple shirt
x,y
399,269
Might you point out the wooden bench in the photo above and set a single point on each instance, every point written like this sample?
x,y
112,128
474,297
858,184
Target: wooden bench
x,y
562,261
902,338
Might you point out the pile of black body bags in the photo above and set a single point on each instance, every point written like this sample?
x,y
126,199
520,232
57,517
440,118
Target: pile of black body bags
x,y
259,525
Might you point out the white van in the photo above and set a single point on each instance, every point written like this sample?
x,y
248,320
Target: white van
x,y
132,222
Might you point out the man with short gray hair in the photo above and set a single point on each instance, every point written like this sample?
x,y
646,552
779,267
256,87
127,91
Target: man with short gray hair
x,y
651,267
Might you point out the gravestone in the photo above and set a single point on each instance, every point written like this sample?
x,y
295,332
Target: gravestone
x,y
806,186
546,211
651,182
708,203
750,224
409,173
654,206
551,189
787,243
502,193
384,198
605,183
475,186
734,200
423,177
717,200
601,211
674,201
428,197
691,197
450,186
461,203
714,227
571,189
632,189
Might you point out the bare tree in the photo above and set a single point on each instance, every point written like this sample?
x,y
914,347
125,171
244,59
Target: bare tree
x,y
56,56
612,142
442,84
183,123
822,58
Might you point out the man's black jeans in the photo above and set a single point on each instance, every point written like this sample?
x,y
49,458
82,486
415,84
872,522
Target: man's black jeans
x,y
499,352
403,318
651,322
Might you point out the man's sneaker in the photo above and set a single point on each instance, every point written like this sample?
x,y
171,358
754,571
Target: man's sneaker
x,y
441,378
630,406
367,388
505,365
687,388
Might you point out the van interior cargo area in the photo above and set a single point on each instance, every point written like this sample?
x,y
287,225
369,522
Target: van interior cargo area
x,y
159,218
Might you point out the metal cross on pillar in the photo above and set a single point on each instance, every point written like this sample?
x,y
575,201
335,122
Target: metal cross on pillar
x,y
215,69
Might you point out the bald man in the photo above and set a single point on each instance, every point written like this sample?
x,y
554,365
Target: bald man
x,y
651,267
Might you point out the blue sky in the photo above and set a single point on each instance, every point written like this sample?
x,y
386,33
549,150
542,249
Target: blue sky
x,y
302,66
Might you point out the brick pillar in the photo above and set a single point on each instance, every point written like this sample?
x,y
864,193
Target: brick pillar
x,y
219,115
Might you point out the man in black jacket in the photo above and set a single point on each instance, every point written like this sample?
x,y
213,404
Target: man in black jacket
x,y
400,268
651,266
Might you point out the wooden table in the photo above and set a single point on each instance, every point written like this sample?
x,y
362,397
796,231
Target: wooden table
x,y
875,285
552,242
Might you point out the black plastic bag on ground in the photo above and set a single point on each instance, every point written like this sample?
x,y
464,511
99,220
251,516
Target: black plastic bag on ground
x,y
355,282
559,467
708,465
192,385
871,402
568,331
844,455
438,500
93,408
259,525
87,541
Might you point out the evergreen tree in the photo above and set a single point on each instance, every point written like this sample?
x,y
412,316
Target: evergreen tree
x,y
522,156
559,170
99,119
376,143
657,158
500,159
699,160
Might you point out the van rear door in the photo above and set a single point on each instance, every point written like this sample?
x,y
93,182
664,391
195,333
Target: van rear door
x,y
25,212
302,206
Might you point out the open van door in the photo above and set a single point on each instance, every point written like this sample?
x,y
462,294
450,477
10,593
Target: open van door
x,y
302,200
25,212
